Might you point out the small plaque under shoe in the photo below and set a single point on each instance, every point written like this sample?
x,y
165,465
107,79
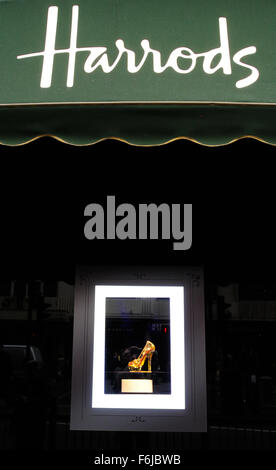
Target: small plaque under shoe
x,y
136,386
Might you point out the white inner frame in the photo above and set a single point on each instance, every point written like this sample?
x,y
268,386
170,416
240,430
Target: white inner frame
x,y
173,401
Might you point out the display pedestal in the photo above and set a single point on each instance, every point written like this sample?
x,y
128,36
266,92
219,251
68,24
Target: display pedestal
x,y
136,386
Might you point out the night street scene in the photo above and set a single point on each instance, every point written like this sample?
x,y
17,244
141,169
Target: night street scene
x,y
137,233
42,243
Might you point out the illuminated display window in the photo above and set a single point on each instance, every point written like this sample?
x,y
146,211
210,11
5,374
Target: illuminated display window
x,y
126,319
139,357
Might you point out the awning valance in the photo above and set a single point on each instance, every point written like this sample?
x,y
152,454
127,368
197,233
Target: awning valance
x,y
144,72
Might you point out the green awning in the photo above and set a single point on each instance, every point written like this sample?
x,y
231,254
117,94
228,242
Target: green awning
x,y
144,72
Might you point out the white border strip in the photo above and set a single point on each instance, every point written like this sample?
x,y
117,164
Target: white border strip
x,y
174,401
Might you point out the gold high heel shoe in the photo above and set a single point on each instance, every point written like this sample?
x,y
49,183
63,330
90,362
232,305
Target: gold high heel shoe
x,y
137,364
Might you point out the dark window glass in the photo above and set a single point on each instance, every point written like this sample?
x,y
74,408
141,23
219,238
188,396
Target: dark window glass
x,y
50,289
5,288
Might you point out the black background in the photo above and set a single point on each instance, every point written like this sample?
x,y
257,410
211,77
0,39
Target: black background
x,y
46,184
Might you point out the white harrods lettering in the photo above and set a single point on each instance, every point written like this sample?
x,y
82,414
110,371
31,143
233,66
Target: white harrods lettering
x,y
182,60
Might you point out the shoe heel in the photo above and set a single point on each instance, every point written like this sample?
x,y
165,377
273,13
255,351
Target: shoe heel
x,y
149,362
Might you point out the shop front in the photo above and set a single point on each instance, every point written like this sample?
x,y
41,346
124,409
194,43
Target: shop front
x,y
130,109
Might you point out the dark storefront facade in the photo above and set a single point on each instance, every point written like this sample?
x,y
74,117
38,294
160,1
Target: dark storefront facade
x,y
153,104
